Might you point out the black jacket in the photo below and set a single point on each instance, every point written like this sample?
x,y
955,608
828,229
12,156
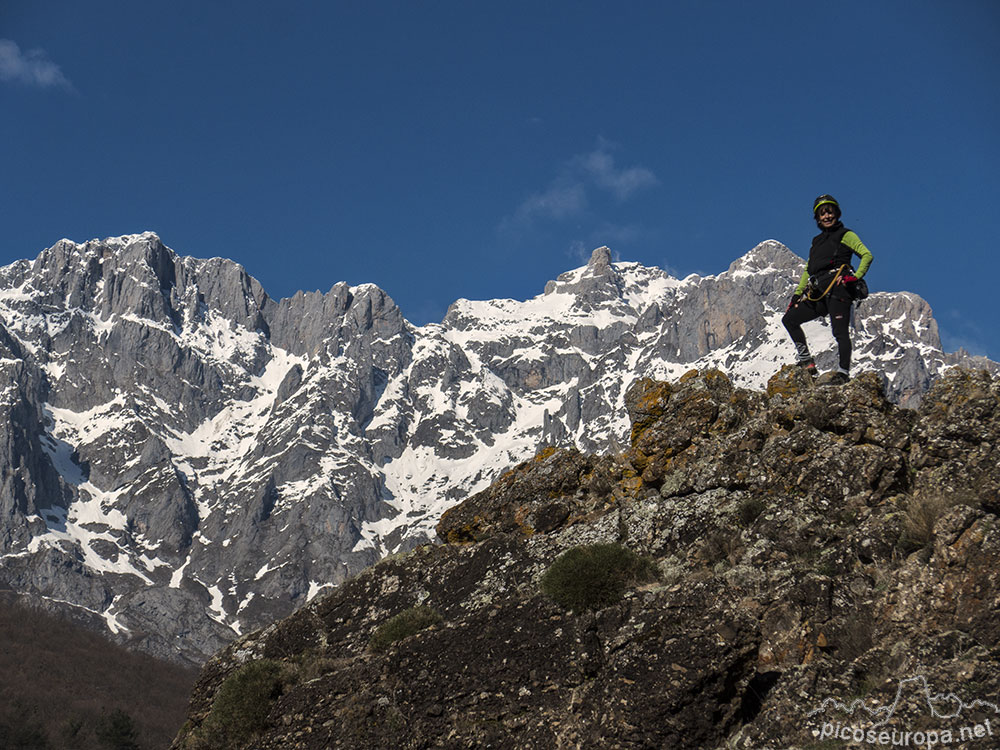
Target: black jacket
x,y
828,250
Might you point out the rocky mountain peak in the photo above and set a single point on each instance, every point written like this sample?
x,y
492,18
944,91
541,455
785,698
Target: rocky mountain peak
x,y
767,256
752,561
600,260
594,284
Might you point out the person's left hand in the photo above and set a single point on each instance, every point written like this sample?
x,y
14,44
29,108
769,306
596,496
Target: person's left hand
x,y
848,279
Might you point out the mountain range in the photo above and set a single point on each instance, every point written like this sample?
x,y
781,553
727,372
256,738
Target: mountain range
x,y
185,459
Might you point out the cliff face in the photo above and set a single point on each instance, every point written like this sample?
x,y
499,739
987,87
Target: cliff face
x,y
789,565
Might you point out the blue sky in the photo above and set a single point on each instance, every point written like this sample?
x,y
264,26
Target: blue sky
x,y
449,149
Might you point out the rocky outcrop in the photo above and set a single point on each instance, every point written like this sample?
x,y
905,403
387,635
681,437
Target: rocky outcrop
x,y
826,562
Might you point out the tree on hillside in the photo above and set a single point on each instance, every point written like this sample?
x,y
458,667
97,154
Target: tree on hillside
x,y
20,731
117,731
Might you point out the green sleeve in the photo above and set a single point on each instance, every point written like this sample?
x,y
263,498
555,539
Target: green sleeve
x,y
803,282
854,242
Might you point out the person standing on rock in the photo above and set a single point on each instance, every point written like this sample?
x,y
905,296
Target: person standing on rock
x,y
826,286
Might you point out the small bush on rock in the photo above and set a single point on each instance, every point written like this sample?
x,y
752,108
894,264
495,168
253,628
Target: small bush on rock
x,y
923,511
595,576
403,625
241,706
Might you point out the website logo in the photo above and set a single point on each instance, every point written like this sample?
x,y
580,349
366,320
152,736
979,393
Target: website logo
x,y
917,717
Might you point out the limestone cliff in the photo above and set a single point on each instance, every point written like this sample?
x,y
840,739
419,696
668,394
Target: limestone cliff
x,y
184,459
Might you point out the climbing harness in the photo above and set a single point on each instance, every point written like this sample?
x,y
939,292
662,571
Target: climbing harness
x,y
813,286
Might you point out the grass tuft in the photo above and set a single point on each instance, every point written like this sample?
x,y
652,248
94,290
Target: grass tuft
x,y
403,625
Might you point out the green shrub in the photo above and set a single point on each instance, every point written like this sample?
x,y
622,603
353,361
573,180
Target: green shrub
x,y
312,664
241,706
18,730
401,626
595,576
117,731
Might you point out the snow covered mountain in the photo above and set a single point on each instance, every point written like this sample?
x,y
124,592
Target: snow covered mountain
x,y
184,458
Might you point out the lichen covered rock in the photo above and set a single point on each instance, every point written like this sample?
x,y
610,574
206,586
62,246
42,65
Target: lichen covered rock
x,y
813,545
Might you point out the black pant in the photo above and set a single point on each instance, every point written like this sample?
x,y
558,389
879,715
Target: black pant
x,y
836,304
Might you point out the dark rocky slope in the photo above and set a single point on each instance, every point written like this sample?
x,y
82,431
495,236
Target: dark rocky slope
x,y
813,545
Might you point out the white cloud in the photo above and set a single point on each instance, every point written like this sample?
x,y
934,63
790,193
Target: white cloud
x,y
600,166
568,195
31,68
560,200
578,251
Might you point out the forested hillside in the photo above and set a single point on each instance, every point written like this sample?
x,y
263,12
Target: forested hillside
x,y
65,687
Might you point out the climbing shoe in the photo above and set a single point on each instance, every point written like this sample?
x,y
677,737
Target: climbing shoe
x,y
808,365
837,378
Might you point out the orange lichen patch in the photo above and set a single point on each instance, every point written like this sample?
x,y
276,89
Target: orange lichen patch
x,y
653,397
631,485
785,382
637,459
716,378
511,476
544,453
465,534
521,520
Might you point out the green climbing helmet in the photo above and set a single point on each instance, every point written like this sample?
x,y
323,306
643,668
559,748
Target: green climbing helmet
x,y
823,200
